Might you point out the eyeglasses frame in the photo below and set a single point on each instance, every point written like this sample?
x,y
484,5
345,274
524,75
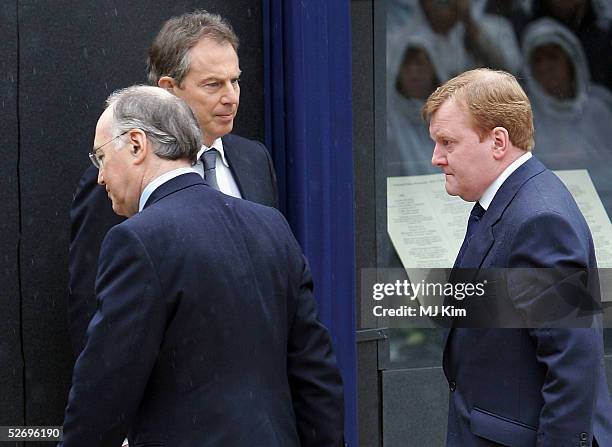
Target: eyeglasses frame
x,y
93,157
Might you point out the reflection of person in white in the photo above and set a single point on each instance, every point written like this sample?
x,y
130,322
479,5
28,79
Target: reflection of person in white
x,y
568,110
413,73
465,38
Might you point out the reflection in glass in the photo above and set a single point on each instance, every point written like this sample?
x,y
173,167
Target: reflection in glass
x,y
568,108
414,72
415,348
565,65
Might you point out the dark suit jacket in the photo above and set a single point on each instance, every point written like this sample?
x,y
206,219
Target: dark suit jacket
x,y
92,216
197,343
529,387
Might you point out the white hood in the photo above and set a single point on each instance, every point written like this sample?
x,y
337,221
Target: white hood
x,y
548,31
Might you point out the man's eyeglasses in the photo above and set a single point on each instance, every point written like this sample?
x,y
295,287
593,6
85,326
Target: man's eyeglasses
x,y
93,155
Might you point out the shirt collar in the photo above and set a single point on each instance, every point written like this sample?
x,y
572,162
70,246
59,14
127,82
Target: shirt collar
x,y
487,196
157,182
217,144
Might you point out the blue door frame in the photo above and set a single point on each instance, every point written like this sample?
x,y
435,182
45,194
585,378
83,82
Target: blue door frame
x,y
307,75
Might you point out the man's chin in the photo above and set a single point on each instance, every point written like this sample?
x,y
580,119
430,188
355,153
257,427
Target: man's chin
x,y
224,123
226,128
119,211
450,190
219,130
455,193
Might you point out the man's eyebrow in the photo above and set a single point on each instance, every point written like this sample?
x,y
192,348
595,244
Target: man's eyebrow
x,y
214,77
209,78
434,134
440,133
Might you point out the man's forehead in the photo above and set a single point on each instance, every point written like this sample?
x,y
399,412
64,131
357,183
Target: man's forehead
x,y
450,118
219,72
442,115
207,49
214,56
106,116
103,125
451,110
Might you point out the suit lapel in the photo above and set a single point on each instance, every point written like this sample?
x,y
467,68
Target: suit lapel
x,y
483,240
173,185
479,246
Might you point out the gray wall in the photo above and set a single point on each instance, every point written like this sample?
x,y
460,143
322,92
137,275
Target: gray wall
x,y
58,64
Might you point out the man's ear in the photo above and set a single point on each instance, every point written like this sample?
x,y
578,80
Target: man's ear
x,y
139,145
167,83
501,142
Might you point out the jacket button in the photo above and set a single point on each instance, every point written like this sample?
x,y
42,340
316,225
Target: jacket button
x,y
583,444
584,436
452,385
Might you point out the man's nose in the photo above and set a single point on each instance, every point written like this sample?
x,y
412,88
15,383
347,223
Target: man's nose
x,y
100,177
438,157
230,95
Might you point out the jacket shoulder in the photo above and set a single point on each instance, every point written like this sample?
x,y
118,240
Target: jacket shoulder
x,y
246,146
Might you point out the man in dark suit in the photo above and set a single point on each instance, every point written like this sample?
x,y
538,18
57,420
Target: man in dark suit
x,y
205,332
194,56
527,386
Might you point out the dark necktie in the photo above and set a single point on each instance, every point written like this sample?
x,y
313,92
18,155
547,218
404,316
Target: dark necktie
x,y
475,216
209,160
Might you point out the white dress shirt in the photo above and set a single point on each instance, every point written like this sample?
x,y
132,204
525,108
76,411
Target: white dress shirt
x,y
225,179
157,182
487,196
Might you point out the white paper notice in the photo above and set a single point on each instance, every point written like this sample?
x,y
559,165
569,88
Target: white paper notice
x,y
427,226
580,185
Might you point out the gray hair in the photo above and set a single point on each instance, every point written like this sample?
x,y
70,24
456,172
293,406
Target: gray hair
x,y
166,119
170,52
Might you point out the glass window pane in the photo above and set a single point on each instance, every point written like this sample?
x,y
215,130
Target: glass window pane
x,y
561,56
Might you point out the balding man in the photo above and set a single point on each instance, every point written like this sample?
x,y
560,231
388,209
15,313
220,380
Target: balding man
x,y
195,343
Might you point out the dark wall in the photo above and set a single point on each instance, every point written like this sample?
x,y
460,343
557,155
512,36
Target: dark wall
x,y
364,142
11,360
70,59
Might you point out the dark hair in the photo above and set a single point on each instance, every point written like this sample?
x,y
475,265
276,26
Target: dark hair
x,y
170,52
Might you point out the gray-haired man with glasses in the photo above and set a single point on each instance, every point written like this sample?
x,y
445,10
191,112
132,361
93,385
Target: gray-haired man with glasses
x,y
194,343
